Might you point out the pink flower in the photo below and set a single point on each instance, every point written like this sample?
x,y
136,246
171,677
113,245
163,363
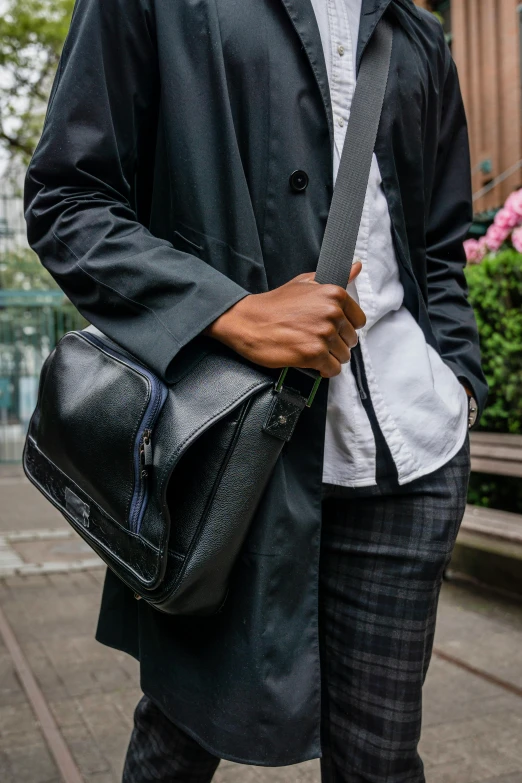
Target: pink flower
x,y
474,252
516,239
514,203
507,218
496,236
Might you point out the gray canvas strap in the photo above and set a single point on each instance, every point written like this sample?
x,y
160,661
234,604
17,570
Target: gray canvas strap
x,y
342,227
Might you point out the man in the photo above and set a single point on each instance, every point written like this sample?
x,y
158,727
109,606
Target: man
x,y
180,193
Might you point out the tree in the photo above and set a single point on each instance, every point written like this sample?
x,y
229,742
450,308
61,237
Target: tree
x,y
32,33
21,270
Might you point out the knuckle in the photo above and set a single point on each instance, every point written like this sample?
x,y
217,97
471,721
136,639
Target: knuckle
x,y
334,292
327,330
313,350
331,311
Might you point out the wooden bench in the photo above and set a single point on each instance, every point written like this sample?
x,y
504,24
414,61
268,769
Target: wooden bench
x,y
489,545
501,455
492,452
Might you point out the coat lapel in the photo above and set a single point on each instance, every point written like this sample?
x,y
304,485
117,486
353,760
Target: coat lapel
x,y
302,16
371,12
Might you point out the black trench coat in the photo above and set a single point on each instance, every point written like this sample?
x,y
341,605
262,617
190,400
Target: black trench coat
x,y
158,196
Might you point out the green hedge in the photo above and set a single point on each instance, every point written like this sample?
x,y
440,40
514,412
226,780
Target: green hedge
x,y
495,290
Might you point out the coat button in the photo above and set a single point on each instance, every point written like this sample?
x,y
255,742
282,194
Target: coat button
x,y
298,180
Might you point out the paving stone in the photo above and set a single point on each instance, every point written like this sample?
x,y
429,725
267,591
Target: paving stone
x,y
465,771
238,773
33,582
125,702
483,748
87,648
461,729
10,741
112,678
115,748
66,713
46,676
11,697
5,768
84,750
103,777
15,719
24,508
59,551
31,763
79,681
100,712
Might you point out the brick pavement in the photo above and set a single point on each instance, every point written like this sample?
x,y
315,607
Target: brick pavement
x,y
472,728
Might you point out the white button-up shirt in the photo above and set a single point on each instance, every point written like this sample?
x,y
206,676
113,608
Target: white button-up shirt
x,y
420,405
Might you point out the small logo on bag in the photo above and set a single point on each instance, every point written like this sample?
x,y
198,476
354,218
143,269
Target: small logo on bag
x,y
78,510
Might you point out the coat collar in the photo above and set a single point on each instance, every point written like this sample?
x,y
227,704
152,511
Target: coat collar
x,y
302,16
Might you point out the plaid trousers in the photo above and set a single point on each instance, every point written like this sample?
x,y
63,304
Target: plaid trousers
x,y
383,553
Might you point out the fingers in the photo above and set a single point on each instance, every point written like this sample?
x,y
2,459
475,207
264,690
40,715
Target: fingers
x,y
349,306
356,268
329,367
340,349
348,334
306,277
353,313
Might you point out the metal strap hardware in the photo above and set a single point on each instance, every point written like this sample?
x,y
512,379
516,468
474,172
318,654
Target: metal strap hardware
x,y
281,379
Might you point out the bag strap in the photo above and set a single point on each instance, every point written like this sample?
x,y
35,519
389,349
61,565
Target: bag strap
x,y
344,218
342,227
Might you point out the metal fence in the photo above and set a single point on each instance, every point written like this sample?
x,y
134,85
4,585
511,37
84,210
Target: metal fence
x,y
34,314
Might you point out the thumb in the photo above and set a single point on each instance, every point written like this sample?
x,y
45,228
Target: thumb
x,y
356,268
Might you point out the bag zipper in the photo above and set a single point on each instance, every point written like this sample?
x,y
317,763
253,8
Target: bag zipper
x,y
143,452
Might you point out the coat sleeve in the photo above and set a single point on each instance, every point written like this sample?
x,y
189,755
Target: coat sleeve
x,y
450,216
80,198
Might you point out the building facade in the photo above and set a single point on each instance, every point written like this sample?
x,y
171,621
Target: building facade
x,y
484,36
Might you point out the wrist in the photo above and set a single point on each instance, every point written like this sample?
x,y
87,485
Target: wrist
x,y
231,326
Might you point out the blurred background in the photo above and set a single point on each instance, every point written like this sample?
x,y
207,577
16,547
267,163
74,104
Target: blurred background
x,y
65,702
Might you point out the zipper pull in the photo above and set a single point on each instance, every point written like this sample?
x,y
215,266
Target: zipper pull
x,y
147,448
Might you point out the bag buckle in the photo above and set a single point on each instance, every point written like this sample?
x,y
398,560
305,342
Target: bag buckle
x,y
311,396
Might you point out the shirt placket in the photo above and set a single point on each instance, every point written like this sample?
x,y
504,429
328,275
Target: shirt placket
x,y
342,75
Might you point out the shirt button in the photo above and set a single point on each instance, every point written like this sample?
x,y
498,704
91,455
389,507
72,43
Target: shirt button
x,y
299,180
340,49
340,122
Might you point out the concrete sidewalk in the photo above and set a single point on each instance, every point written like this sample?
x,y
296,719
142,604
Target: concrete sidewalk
x,y
472,726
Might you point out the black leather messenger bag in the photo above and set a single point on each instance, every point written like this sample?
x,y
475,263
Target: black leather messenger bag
x,y
162,481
